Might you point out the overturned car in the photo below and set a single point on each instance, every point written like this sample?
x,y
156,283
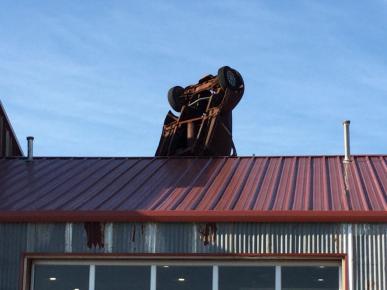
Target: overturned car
x,y
203,125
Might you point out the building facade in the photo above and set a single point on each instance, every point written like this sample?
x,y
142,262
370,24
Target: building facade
x,y
212,223
189,223
344,248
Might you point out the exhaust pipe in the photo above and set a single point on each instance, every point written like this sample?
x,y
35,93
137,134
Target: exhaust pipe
x,y
30,144
347,151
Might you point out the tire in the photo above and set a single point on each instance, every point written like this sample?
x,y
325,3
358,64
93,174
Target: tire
x,y
229,78
174,98
240,79
230,101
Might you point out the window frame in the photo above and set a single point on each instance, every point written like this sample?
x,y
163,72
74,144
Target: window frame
x,y
276,261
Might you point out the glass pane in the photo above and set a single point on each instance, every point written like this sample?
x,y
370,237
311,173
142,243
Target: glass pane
x,y
246,278
311,278
122,277
61,277
184,278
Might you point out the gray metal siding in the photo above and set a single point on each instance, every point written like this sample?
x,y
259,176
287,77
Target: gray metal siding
x,y
133,238
370,256
45,238
368,241
17,238
251,238
13,241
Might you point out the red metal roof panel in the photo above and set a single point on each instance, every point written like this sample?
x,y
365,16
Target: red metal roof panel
x,y
304,188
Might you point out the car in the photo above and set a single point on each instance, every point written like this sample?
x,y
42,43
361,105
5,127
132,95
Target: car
x,y
203,123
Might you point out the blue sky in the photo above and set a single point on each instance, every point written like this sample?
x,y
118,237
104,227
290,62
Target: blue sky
x,y
89,78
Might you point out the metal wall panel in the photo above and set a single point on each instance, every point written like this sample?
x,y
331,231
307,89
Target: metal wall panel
x,y
133,238
369,243
13,241
175,238
370,256
45,238
251,238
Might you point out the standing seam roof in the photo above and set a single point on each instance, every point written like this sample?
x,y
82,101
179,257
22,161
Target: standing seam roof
x,y
302,188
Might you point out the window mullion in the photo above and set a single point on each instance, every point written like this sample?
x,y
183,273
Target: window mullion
x,y
278,277
153,278
215,277
92,277
32,277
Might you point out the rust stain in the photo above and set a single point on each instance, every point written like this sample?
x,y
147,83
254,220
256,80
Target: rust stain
x,y
208,233
133,233
95,234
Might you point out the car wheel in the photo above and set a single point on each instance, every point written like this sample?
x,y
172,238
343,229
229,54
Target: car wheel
x,y
175,98
229,78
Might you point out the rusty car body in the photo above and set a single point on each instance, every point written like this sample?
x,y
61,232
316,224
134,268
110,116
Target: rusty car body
x,y
203,126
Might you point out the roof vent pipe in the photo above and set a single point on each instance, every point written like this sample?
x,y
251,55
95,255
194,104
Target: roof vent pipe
x,y
30,144
347,152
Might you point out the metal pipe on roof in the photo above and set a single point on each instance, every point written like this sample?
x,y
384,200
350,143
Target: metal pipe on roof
x,y
347,151
30,149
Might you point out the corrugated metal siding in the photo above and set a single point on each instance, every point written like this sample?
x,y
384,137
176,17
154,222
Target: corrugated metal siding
x,y
17,238
369,243
175,238
310,184
13,241
45,238
370,256
134,238
279,238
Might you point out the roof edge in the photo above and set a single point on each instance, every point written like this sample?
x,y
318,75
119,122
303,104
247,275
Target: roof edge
x,y
192,157
194,216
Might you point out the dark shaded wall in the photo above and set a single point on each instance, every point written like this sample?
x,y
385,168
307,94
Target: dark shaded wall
x,y
9,145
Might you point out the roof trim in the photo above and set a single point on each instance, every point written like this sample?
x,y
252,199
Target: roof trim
x,y
187,157
194,216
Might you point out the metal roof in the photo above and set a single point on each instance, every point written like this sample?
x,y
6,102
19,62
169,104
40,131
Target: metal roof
x,y
293,188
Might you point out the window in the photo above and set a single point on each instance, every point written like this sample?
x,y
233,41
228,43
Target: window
x,y
243,278
115,277
183,278
185,275
61,277
312,277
